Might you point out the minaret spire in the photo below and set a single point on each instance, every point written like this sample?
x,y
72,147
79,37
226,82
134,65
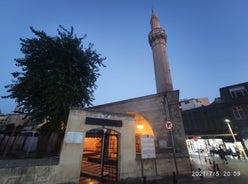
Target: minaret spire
x,y
154,21
157,40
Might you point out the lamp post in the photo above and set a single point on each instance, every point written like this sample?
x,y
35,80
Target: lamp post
x,y
230,129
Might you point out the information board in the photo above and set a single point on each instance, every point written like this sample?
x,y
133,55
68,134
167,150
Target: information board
x,y
147,147
74,137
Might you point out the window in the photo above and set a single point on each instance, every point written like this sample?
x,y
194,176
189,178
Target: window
x,y
238,113
238,92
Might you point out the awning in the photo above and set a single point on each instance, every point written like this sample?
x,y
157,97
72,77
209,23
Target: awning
x,y
210,135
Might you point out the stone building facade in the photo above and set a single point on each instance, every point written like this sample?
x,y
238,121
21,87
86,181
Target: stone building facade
x,y
122,118
152,108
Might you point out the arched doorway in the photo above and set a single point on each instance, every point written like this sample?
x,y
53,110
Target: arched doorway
x,y
100,154
142,127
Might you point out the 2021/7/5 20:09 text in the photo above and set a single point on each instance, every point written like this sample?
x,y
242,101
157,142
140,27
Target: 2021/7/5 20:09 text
x,y
217,173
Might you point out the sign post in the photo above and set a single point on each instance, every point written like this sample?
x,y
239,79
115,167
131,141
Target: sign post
x,y
170,126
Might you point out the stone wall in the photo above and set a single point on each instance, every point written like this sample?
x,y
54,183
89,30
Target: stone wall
x,y
153,109
26,175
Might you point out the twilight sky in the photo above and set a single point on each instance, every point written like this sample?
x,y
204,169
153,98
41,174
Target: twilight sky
x,y
207,42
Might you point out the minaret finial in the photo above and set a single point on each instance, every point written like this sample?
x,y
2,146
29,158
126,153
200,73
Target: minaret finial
x,y
154,21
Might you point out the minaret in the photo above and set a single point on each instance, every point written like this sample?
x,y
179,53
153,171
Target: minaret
x,y
157,40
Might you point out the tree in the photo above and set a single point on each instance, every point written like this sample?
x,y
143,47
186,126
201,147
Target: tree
x,y
56,73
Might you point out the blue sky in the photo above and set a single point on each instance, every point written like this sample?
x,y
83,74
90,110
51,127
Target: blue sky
x,y
207,42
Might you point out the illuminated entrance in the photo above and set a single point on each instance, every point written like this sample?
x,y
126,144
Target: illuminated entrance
x,y
142,127
100,154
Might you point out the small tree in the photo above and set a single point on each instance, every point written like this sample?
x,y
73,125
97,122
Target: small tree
x,y
56,73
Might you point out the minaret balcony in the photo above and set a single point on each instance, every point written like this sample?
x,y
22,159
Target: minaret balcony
x,y
157,34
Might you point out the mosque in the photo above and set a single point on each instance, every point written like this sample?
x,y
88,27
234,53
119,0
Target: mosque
x,y
136,137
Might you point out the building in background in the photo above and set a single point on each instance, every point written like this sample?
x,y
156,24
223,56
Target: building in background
x,y
222,123
192,103
235,98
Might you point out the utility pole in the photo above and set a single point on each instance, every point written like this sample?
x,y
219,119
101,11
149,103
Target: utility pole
x,y
167,113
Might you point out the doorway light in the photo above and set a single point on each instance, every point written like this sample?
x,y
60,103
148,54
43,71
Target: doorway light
x,y
140,126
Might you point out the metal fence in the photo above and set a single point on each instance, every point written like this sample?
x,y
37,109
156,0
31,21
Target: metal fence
x,y
25,145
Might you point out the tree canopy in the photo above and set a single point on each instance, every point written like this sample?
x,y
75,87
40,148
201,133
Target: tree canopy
x,y
56,73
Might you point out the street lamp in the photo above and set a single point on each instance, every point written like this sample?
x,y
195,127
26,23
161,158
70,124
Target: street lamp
x,y
230,129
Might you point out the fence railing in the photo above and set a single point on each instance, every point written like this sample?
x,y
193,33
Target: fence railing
x,y
25,145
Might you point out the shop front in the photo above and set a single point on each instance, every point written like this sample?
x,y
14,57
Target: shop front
x,y
207,146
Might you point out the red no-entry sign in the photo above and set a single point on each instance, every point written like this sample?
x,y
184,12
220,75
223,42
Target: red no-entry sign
x,y
169,125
